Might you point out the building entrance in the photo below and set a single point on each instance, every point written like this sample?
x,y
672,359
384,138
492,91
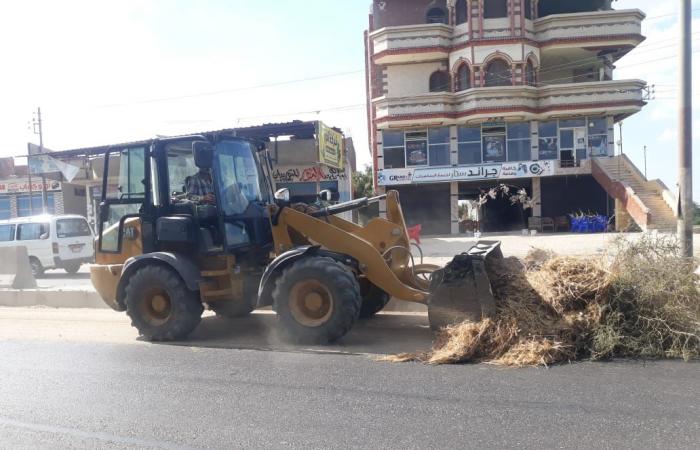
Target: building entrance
x,y
497,214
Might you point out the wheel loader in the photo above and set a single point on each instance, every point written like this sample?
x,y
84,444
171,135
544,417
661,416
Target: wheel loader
x,y
164,254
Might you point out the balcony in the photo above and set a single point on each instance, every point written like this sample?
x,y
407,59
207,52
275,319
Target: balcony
x,y
412,43
623,97
610,28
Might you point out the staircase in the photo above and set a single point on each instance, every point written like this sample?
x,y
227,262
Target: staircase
x,y
650,203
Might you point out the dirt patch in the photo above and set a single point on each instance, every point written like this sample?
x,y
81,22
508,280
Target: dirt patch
x,y
642,301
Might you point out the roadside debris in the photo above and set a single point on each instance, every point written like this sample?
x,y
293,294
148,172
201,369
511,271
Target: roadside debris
x,y
641,301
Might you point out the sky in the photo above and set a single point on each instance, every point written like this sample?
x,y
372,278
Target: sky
x,y
105,72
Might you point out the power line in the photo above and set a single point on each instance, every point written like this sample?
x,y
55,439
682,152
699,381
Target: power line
x,y
227,91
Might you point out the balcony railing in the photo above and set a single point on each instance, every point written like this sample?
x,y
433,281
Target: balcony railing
x,y
411,43
432,42
620,96
562,29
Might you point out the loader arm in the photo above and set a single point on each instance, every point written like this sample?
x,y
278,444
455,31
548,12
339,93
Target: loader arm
x,y
367,245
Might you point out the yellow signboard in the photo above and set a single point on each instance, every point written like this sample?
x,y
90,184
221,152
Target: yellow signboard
x,y
330,147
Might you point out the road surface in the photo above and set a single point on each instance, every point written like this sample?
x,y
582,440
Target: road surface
x,y
80,379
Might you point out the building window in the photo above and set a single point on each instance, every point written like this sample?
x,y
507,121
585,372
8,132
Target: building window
x,y
24,210
598,136
437,15
548,140
416,148
463,78
469,145
461,11
530,74
498,73
519,141
5,208
394,151
495,9
494,143
439,146
439,81
7,233
528,9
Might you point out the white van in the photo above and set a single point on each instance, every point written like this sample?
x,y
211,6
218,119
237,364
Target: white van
x,y
53,242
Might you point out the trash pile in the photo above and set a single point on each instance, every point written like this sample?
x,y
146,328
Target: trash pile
x,y
640,301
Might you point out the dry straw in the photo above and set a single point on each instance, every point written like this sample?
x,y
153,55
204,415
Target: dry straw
x,y
640,301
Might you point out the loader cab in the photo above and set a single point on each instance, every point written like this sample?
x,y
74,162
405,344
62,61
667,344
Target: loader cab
x,y
151,209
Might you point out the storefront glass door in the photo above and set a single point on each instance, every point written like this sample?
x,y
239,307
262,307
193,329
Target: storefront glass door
x,y
572,146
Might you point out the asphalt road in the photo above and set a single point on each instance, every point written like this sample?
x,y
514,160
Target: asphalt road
x,y
99,388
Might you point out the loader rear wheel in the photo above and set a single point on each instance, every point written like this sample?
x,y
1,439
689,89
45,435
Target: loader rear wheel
x,y
374,300
160,306
317,300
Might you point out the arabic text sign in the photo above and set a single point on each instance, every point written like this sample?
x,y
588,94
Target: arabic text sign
x,y
389,177
23,186
330,147
307,174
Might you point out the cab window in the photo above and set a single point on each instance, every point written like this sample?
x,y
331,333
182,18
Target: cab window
x,y
239,183
180,166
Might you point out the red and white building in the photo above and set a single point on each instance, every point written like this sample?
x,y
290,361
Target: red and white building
x,y
466,94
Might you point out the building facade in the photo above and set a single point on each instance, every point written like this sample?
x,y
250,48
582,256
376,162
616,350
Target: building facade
x,y
464,95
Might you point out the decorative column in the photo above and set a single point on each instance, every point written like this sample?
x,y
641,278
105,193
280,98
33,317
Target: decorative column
x,y
454,207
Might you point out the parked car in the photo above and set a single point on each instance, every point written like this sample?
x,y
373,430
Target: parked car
x,y
53,242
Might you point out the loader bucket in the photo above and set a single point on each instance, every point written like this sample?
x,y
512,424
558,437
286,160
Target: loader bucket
x,y
461,291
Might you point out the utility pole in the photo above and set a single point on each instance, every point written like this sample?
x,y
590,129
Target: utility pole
x,y
645,163
44,197
685,139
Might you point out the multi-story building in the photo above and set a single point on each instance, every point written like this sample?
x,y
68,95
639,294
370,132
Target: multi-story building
x,y
467,94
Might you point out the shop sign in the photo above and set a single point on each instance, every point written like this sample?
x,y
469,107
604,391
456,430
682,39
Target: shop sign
x,y
330,147
527,169
392,177
303,174
14,187
389,177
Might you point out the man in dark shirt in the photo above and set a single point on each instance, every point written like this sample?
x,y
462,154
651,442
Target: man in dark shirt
x,y
200,187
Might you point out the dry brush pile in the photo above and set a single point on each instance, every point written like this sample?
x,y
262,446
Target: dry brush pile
x,y
641,301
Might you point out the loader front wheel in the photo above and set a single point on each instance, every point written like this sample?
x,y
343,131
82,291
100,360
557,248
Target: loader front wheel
x,y
317,300
374,300
160,305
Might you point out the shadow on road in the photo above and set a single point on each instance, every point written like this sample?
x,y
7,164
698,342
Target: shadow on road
x,y
382,334
64,276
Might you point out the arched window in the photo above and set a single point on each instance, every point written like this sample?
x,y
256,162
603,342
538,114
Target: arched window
x,y
464,81
461,11
439,81
495,8
530,78
437,15
528,9
498,73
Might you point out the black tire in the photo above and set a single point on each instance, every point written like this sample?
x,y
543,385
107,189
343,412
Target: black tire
x,y
374,300
37,269
72,268
329,283
146,292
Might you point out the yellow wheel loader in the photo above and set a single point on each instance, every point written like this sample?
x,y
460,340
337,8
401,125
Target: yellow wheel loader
x,y
164,253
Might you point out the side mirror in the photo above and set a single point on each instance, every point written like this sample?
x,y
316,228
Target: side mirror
x,y
282,196
203,153
325,195
44,236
